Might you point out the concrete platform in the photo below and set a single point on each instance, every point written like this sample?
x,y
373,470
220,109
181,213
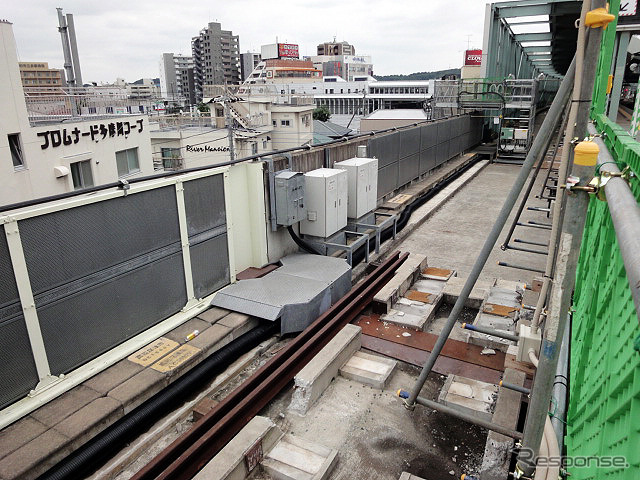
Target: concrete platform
x,y
294,458
407,320
35,443
243,453
316,376
496,322
454,235
414,307
497,453
408,476
470,396
372,370
430,285
408,273
454,286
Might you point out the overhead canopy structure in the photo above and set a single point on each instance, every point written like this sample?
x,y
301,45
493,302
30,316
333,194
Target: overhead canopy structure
x,y
527,37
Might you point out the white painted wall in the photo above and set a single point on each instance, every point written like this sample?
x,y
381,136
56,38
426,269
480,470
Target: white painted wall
x,y
204,147
300,128
37,178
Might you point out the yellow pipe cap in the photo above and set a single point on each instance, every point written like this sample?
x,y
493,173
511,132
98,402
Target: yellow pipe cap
x,y
586,154
598,17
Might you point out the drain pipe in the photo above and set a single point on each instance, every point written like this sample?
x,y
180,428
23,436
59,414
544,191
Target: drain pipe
x,y
550,123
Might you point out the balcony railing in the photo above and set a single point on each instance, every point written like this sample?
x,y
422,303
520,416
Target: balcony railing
x,y
57,104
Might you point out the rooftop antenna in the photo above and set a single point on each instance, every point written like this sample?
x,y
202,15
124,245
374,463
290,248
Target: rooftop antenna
x,y
468,41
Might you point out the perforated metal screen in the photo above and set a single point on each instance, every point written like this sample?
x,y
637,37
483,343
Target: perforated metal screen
x,y
103,272
206,218
17,368
405,155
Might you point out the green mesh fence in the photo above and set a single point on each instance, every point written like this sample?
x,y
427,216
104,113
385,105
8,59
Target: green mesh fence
x,y
604,408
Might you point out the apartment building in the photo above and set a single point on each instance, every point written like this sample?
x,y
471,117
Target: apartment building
x,y
176,78
216,58
248,61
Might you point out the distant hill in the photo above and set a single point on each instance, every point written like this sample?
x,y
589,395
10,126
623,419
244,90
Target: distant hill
x,y
419,75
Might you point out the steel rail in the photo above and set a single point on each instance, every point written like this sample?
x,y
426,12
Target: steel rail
x,y
190,452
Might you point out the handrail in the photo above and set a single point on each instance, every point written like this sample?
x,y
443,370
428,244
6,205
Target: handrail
x,y
625,214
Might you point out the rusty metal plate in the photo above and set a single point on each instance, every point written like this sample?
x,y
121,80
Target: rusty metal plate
x,y
417,296
253,272
500,310
371,325
443,365
437,273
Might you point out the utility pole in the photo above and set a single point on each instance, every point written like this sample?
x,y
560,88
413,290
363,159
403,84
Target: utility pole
x,y
228,121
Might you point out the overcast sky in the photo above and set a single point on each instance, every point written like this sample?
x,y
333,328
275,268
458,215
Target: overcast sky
x,y
125,39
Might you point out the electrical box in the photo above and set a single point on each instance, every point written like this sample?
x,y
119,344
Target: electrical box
x,y
289,192
506,133
362,185
528,340
520,133
325,201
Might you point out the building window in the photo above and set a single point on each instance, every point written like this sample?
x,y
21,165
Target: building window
x,y
274,123
81,174
254,148
15,145
285,123
264,144
170,157
127,161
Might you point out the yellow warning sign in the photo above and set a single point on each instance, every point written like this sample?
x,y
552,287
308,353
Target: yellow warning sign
x,y
175,358
153,352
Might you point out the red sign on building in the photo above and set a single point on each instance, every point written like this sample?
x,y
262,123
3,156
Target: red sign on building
x,y
473,57
287,50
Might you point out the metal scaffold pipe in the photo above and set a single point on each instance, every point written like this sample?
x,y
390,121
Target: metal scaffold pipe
x,y
536,151
567,230
625,214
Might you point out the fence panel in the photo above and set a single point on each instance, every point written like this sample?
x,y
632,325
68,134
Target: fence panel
x,y
18,373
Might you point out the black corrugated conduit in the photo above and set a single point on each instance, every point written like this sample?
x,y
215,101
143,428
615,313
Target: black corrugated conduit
x,y
96,451
307,247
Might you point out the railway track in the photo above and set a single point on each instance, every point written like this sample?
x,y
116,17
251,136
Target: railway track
x,y
183,458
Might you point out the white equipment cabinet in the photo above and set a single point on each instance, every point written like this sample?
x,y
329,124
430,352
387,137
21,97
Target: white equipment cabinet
x,y
362,174
326,202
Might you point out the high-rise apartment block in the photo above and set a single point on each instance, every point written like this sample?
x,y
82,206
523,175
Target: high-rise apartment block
x,y
248,61
216,57
177,79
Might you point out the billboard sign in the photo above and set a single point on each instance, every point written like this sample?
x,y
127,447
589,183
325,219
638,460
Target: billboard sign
x,y
287,50
473,57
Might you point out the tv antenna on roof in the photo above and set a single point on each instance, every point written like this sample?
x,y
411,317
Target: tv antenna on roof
x,y
468,41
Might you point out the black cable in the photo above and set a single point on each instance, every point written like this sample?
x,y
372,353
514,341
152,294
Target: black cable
x,y
96,451
307,247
